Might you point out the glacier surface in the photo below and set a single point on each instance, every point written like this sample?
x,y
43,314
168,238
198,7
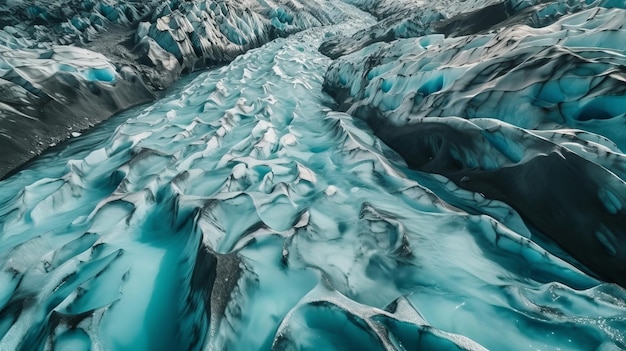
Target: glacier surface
x,y
143,45
395,179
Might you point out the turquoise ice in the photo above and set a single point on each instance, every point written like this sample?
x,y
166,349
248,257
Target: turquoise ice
x,y
242,211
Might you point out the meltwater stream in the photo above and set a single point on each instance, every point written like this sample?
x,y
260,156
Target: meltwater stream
x,y
240,212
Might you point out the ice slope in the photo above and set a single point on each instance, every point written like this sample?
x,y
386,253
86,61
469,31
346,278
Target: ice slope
x,y
568,75
48,94
49,48
417,18
157,38
50,89
246,210
201,33
39,23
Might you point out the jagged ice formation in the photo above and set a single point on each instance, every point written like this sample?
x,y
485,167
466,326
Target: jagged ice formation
x,y
374,182
151,42
48,94
537,79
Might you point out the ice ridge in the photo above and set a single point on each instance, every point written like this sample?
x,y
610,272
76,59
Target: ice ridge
x,y
343,180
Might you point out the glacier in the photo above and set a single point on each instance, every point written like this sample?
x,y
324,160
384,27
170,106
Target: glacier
x,y
144,46
304,175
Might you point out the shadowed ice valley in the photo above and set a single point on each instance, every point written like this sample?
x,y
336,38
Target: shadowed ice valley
x,y
312,175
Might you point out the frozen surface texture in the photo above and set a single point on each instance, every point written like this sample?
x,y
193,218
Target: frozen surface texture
x,y
201,33
566,75
39,23
50,89
452,192
69,64
48,94
417,18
